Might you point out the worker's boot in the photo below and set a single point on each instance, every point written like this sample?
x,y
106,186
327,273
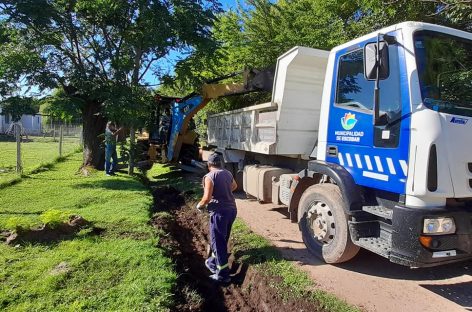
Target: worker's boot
x,y
210,265
221,278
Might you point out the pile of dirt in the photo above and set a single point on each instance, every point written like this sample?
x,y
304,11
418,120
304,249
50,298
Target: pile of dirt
x,y
47,233
4,235
187,243
167,198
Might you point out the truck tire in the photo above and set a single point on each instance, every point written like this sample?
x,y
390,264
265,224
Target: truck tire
x,y
324,224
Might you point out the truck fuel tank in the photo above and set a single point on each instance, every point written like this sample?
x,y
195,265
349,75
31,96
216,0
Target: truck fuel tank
x,y
257,180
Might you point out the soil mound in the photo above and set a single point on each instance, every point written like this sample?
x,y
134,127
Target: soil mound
x,y
167,198
48,233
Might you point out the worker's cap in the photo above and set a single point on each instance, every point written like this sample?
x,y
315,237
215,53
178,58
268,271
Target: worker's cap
x,y
214,159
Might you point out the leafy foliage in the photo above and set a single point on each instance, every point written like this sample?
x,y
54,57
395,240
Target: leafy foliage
x,y
18,224
255,37
456,13
54,217
17,106
59,106
18,64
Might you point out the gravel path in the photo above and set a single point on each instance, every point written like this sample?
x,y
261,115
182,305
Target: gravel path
x,y
368,281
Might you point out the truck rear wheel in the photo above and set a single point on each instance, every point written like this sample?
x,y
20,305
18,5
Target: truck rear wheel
x,y
324,224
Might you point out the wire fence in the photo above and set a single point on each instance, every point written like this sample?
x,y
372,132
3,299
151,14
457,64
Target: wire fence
x,y
21,154
52,130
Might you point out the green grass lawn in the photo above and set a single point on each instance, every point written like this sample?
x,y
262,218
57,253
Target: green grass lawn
x,y
119,270
36,151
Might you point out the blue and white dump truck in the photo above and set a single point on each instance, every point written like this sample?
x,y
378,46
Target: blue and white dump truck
x,y
369,145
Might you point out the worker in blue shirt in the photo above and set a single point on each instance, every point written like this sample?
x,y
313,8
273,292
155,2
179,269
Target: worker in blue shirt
x,y
218,186
111,158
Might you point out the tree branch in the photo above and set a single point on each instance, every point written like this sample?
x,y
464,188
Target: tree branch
x,y
93,45
73,35
152,60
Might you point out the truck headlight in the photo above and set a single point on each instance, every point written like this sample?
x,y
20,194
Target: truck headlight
x,y
439,226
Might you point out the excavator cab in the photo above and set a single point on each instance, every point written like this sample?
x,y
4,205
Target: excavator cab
x,y
173,134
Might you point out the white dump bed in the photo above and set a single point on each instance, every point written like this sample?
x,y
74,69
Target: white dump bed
x,y
288,125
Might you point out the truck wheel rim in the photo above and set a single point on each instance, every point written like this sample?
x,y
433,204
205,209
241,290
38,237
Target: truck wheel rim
x,y
320,221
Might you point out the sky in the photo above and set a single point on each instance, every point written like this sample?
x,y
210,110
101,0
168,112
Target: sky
x,y
228,4
168,63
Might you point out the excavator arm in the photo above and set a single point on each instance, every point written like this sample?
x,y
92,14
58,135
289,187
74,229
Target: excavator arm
x,y
184,109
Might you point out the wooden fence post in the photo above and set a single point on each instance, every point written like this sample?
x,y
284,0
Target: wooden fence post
x,y
19,167
60,141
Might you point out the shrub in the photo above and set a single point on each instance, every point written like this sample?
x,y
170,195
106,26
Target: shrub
x,y
54,217
18,224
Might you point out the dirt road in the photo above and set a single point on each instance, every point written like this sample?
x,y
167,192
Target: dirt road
x,y
368,281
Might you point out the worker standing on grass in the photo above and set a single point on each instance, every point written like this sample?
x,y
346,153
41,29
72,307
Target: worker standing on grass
x,y
111,158
218,187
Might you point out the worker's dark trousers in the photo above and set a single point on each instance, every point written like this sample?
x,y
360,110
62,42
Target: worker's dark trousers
x,y
221,221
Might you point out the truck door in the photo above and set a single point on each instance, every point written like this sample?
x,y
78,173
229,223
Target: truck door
x,y
376,156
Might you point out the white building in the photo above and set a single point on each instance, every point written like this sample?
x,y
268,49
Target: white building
x,y
31,123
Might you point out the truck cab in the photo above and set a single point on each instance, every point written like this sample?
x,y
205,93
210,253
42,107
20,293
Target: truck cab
x,y
404,173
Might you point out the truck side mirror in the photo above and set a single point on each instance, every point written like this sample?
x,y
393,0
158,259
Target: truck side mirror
x,y
371,64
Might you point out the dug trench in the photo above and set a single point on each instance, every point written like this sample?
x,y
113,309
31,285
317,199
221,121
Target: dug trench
x,y
183,232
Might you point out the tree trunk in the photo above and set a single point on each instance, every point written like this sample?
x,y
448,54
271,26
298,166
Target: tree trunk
x,y
93,126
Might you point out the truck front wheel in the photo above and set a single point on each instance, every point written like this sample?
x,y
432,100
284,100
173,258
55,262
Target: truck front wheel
x,y
324,224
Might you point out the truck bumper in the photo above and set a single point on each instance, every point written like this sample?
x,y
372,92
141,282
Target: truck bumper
x,y
407,225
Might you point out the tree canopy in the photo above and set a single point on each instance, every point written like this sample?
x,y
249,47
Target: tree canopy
x,y
255,34
99,51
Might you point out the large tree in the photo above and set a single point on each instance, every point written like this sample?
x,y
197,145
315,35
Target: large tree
x,y
100,51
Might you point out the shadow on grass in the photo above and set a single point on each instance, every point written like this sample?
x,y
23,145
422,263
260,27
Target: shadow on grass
x,y
10,182
112,184
46,167
258,255
20,213
180,180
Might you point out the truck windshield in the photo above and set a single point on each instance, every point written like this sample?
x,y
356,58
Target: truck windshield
x,y
444,65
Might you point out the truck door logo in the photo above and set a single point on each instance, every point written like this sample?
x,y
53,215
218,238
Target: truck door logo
x,y
348,121
460,121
